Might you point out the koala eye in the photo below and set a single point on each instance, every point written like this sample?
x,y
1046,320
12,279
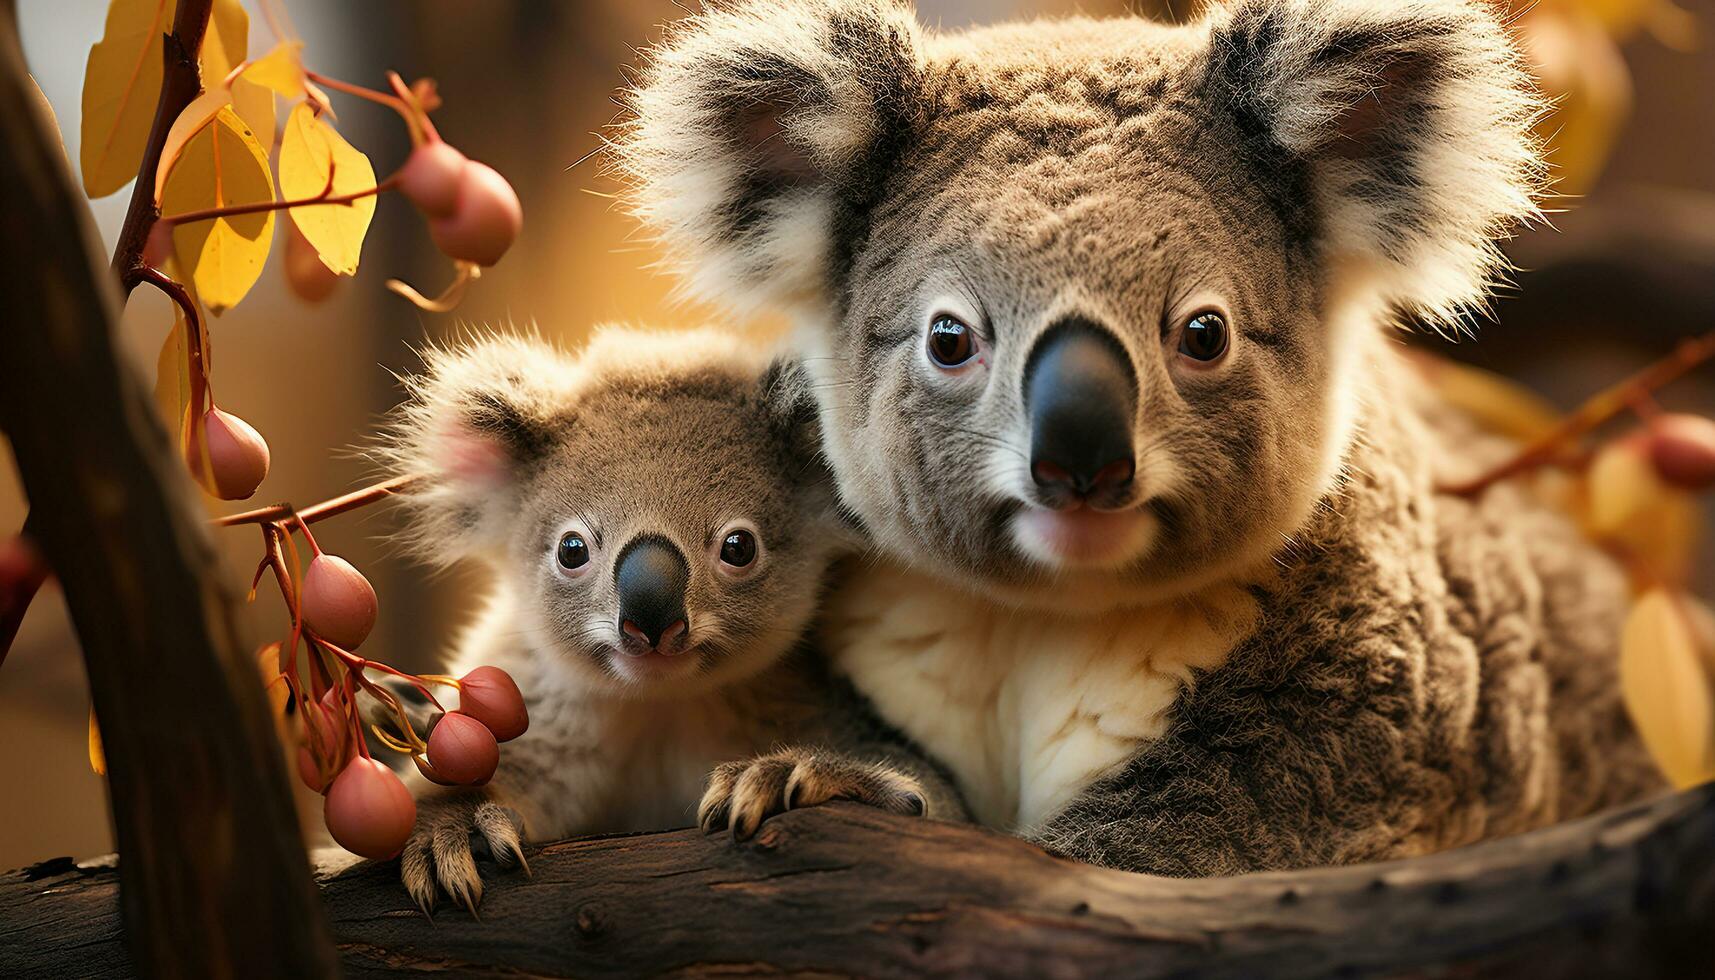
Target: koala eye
x,y
951,341
1204,338
738,549
574,552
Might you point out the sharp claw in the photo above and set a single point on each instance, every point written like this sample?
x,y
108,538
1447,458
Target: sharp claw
x,y
711,818
518,852
465,899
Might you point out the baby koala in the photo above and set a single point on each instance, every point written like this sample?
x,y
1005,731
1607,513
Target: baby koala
x,y
658,525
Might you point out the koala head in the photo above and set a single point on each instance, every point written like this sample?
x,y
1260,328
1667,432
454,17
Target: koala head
x,y
1091,306
655,504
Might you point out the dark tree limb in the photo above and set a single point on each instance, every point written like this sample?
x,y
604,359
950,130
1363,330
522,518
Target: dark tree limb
x,y
844,890
214,870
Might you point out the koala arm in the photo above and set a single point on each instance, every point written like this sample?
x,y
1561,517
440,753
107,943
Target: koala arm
x,y
1310,771
844,752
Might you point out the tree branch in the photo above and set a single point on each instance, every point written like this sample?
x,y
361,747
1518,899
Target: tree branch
x,y
181,82
215,876
324,510
844,890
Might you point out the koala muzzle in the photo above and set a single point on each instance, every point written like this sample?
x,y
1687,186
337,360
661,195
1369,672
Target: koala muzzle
x,y
652,576
1080,393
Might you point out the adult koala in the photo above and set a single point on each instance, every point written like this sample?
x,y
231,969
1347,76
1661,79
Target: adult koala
x,y
1097,316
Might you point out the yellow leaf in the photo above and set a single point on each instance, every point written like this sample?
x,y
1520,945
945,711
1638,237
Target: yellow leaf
x,y
1666,690
1631,506
255,105
221,166
172,373
190,122
1499,404
227,42
1577,62
97,757
281,69
120,86
308,149
1624,487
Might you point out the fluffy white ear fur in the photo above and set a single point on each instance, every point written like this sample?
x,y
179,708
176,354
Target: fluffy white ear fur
x,y
478,410
1415,117
751,120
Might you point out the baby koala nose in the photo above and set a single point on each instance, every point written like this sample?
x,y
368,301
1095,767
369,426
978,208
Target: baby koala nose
x,y
651,576
1081,395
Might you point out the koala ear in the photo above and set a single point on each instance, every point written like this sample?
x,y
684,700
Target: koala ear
x,y
757,126
479,416
1410,119
791,408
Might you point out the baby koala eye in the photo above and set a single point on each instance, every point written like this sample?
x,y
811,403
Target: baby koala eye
x,y
951,341
738,549
574,552
1205,337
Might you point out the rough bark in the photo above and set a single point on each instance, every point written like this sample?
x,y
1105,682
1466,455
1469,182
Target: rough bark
x,y
214,873
848,891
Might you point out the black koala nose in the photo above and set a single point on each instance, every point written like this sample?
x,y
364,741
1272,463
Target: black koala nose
x,y
652,575
1081,395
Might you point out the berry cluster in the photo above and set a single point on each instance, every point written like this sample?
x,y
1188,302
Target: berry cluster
x,y
320,686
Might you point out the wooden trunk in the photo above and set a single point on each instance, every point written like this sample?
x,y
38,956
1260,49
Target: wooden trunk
x,y
844,890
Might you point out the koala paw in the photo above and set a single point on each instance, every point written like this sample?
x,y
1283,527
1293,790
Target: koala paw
x,y
440,855
743,794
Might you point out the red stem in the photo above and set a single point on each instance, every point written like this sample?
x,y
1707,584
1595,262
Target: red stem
x,y
181,297
419,116
412,119
325,197
310,539
1599,410
325,509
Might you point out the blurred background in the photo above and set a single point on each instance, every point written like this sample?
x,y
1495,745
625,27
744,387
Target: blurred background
x,y
527,84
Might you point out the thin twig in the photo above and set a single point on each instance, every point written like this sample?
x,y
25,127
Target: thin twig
x,y
325,509
181,297
325,197
1594,413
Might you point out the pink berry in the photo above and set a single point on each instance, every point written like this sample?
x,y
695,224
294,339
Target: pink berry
x,y
491,696
429,772
486,221
1682,446
432,178
463,750
237,456
326,736
338,603
309,278
369,811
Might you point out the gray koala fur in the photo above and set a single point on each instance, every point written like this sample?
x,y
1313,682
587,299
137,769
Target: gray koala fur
x,y
1281,646
675,437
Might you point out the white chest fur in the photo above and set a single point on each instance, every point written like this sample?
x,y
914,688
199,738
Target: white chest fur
x,y
592,762
1026,708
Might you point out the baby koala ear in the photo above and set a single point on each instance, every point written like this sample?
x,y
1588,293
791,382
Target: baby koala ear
x,y
791,408
476,419
1412,122
754,125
